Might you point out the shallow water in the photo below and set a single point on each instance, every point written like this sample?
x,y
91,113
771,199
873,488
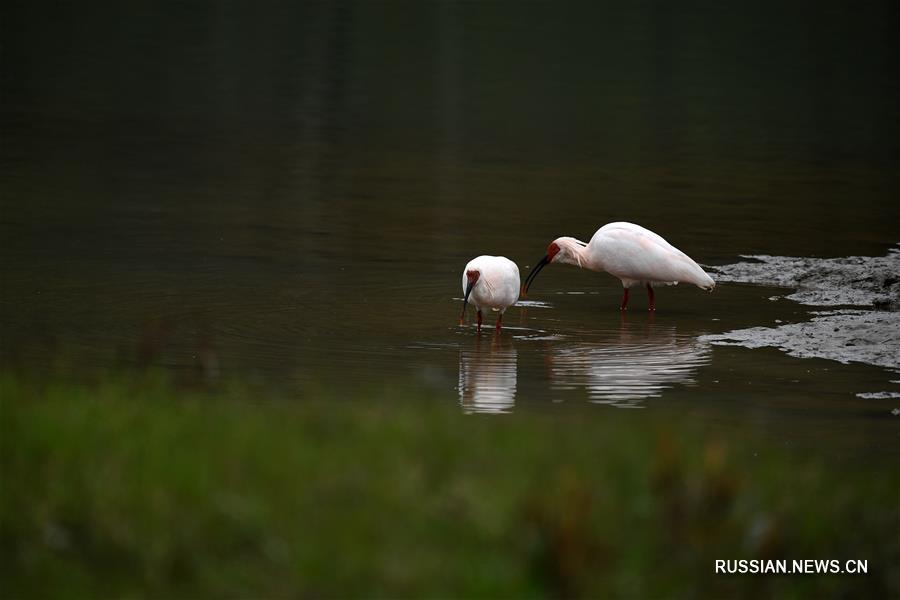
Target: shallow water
x,y
290,196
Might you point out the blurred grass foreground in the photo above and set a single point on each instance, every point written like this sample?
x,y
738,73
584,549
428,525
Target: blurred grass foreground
x,y
133,486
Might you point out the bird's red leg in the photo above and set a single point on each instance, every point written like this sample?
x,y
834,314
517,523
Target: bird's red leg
x,y
650,297
624,300
479,320
499,320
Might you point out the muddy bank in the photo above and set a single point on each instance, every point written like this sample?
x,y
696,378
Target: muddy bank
x,y
871,337
844,335
849,281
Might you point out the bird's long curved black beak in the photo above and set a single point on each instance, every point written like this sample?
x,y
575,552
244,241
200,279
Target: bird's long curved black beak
x,y
462,315
533,274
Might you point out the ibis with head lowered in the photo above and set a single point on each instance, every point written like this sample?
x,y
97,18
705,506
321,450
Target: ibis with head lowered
x,y
635,255
490,282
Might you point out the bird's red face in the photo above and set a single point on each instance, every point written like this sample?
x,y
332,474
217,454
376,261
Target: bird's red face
x,y
552,251
473,276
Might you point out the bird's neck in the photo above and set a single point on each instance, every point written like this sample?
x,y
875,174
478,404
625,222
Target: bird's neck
x,y
575,253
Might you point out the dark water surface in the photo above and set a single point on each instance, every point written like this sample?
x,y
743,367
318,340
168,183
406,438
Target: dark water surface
x,y
290,195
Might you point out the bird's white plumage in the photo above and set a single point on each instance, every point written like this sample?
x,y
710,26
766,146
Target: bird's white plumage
x,y
498,283
635,255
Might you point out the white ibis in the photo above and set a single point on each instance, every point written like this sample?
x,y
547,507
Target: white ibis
x,y
490,282
635,255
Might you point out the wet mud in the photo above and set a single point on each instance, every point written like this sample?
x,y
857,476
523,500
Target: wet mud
x,y
869,335
850,281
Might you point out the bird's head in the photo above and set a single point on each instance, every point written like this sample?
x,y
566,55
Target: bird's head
x,y
566,250
472,276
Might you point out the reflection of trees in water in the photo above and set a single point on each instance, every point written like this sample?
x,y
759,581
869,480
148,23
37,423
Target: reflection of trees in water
x,y
629,366
487,378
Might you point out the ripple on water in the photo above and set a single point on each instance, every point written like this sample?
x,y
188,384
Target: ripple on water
x,y
519,303
533,304
878,395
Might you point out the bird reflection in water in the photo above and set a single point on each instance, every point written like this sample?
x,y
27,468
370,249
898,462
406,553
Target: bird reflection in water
x,y
487,377
623,367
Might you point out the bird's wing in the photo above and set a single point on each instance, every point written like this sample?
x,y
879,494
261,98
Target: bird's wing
x,y
638,254
623,226
503,279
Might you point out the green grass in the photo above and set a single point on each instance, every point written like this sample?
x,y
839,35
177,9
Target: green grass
x,y
131,486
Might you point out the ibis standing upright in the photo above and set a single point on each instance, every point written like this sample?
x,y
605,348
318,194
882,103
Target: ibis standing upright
x,y
635,255
490,282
